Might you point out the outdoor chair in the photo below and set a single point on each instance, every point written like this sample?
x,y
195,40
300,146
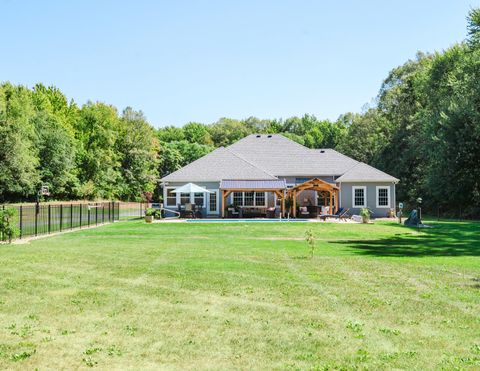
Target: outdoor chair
x,y
181,211
190,211
304,211
341,214
232,213
271,212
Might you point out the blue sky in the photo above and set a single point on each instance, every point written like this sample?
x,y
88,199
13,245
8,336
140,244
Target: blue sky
x,y
181,61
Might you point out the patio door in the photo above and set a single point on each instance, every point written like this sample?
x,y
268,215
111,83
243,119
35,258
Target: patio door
x,y
213,202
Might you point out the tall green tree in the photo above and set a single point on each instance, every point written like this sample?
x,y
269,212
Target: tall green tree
x,y
19,177
139,148
99,163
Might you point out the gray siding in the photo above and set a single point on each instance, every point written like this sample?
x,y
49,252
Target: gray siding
x,y
371,188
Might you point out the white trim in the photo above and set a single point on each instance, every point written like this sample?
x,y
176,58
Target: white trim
x,y
217,193
377,188
364,196
165,199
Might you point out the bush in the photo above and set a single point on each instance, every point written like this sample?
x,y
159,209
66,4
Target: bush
x,y
8,224
150,212
365,214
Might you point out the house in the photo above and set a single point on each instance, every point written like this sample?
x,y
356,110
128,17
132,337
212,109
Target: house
x,y
264,171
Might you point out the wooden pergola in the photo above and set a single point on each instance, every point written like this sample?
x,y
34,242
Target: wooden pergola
x,y
276,187
318,185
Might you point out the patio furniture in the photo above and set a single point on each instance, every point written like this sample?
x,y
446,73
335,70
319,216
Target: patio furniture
x,y
232,213
253,212
271,212
341,214
303,211
181,211
190,211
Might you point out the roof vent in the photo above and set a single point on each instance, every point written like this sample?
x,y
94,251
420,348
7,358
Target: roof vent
x,y
322,151
258,136
269,136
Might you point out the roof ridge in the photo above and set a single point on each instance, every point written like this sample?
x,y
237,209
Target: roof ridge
x,y
353,166
249,162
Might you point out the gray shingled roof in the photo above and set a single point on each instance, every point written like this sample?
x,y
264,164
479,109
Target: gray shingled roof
x,y
362,172
268,156
284,157
253,184
217,165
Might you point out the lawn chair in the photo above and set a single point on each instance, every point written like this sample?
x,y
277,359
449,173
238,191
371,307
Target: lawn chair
x,y
341,214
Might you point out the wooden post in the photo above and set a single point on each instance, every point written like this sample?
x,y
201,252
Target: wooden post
x,y
282,211
324,202
223,204
330,207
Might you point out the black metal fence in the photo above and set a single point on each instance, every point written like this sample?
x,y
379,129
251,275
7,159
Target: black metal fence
x,y
34,220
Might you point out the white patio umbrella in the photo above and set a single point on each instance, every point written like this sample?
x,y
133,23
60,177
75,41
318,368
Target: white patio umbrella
x,y
191,188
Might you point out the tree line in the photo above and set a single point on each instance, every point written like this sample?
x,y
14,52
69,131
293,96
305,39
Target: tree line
x,y
424,128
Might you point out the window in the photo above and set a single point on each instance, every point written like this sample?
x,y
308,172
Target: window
x,y
249,198
259,198
184,198
171,199
238,198
359,196
198,199
383,196
212,203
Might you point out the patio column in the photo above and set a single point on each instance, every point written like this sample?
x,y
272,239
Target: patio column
x,y
331,199
222,205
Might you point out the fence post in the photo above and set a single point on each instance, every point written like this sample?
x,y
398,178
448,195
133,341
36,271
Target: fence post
x,y
109,216
49,216
71,216
37,210
61,217
96,213
80,205
88,219
21,221
103,212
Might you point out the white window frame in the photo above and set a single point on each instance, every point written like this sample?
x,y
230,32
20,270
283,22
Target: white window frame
x,y
388,197
216,192
178,197
166,197
254,199
364,196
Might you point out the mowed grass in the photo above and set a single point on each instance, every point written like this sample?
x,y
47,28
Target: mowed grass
x,y
223,296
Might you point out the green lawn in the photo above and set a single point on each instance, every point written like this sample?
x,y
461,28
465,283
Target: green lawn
x,y
220,296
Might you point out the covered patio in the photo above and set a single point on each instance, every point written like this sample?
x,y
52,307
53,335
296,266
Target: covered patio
x,y
277,187
329,191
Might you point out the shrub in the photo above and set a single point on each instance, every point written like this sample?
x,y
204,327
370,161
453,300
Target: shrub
x,y
150,212
8,224
365,214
